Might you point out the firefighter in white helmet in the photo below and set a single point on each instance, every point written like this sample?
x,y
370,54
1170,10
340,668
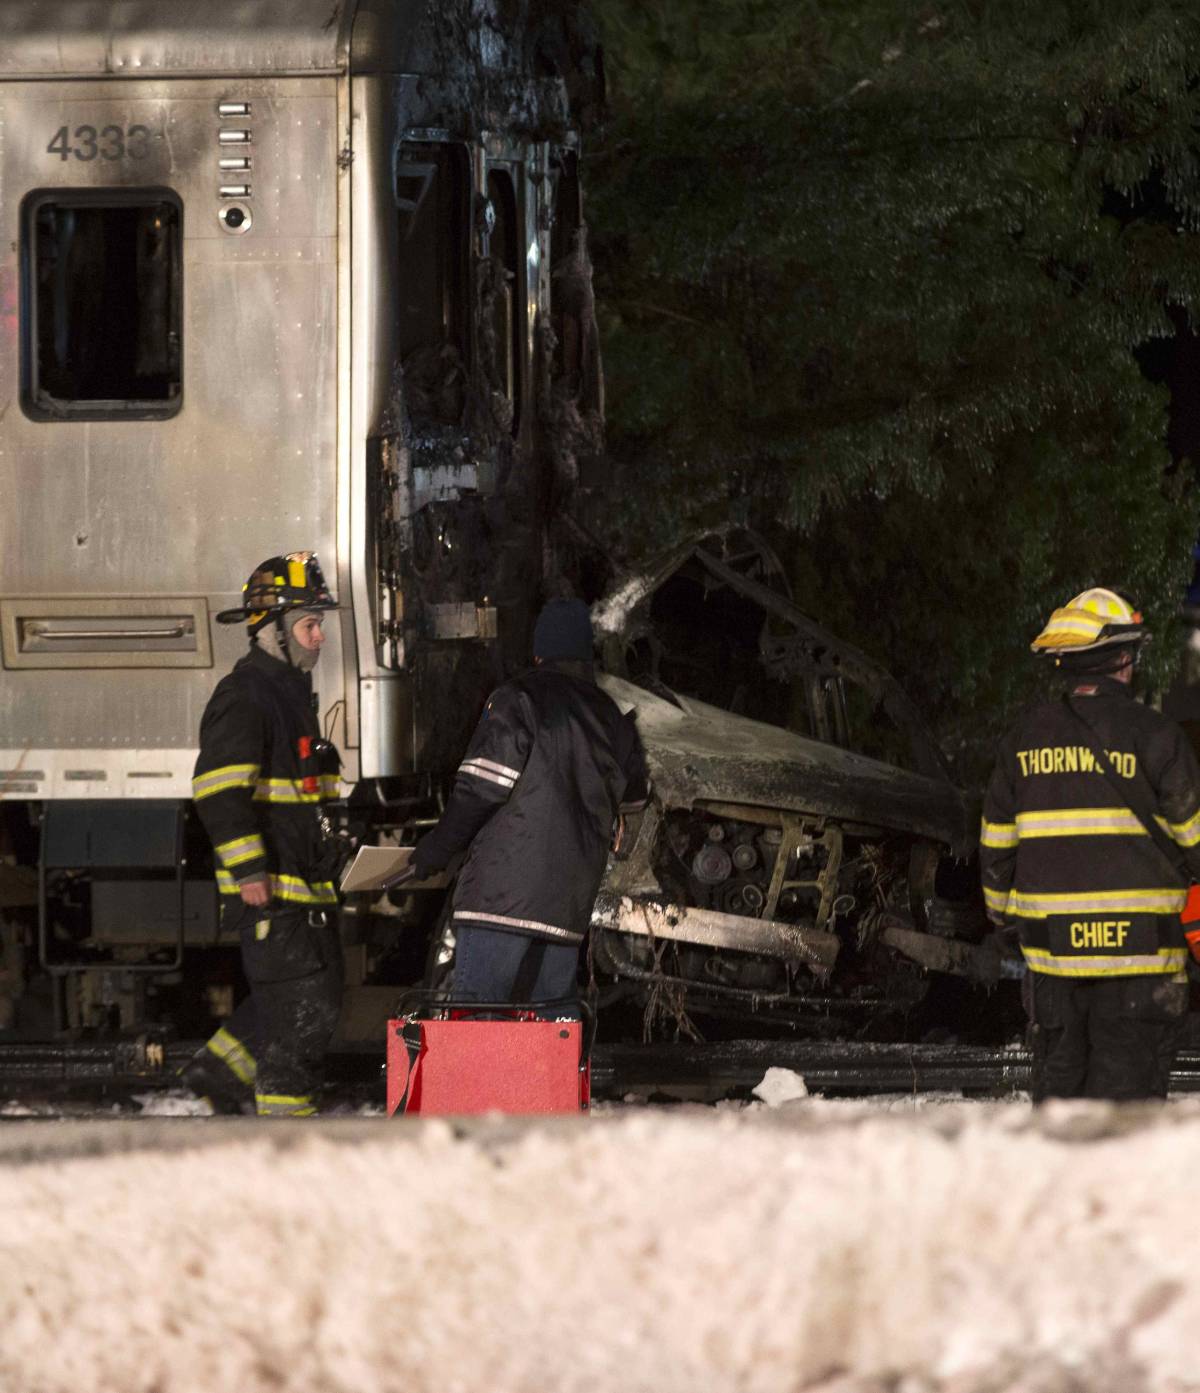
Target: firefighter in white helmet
x,y
1090,839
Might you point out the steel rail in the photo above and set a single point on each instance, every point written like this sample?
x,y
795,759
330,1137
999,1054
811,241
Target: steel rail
x,y
729,1068
141,1061
735,1067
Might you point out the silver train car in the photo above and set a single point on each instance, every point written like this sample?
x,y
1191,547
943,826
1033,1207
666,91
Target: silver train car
x,y
274,274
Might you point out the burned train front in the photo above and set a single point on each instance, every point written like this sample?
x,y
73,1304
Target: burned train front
x,y
269,280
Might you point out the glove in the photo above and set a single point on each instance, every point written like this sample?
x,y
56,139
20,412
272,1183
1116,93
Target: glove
x,y
415,870
1189,917
425,861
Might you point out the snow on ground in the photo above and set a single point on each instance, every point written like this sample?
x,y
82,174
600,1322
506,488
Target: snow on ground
x,y
830,1248
172,1102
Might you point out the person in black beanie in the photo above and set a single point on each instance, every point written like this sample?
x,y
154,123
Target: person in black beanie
x,y
551,767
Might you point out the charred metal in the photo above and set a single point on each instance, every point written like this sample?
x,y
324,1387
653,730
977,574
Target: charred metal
x,y
773,872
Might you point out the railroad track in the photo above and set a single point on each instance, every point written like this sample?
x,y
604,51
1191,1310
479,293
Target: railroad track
x,y
707,1072
734,1067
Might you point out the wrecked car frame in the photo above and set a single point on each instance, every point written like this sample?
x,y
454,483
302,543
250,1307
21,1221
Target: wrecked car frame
x,y
773,872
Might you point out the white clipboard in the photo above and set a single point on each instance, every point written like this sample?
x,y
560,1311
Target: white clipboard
x,y
372,867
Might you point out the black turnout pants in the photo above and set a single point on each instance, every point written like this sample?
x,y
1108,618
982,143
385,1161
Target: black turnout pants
x,y
1103,1037
276,1040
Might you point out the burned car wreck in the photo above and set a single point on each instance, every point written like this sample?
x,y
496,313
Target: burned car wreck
x,y
777,875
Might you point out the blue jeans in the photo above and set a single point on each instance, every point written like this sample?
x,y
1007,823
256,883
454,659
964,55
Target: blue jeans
x,y
487,961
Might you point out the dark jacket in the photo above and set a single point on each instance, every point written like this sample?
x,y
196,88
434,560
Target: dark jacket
x,y
1066,860
551,765
260,779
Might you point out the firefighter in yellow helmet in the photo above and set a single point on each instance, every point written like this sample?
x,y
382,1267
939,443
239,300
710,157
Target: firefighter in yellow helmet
x,y
1091,836
262,777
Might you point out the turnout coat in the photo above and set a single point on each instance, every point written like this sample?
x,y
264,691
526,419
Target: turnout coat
x,y
261,776
549,768
1066,860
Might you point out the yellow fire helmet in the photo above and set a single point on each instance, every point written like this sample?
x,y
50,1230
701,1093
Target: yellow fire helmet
x,y
1097,618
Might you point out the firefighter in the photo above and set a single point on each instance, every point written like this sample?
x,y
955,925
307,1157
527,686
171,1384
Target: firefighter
x,y
261,777
1091,834
548,773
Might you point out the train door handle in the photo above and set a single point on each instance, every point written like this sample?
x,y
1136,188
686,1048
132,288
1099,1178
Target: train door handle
x,y
67,635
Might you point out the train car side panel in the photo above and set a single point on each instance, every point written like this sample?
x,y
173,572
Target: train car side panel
x,y
147,485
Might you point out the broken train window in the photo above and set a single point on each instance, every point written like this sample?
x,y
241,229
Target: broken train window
x,y
433,199
572,308
103,304
500,299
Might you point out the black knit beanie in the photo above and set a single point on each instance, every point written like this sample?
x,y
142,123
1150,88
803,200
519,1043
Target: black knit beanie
x,y
564,631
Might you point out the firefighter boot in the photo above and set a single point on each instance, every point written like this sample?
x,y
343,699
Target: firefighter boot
x,y
208,1075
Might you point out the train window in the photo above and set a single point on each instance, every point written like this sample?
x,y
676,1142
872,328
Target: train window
x,y
433,201
103,304
567,265
505,321
575,370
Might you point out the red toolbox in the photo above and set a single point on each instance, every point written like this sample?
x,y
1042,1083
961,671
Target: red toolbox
x,y
463,1066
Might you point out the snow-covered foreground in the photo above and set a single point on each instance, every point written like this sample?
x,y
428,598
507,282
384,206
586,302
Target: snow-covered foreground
x,y
829,1247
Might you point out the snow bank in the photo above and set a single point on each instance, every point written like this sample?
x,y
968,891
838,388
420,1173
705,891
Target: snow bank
x,y
813,1247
